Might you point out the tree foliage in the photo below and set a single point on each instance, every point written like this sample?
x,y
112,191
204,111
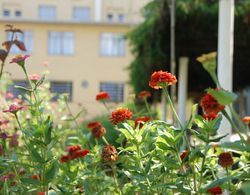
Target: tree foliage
x,y
196,33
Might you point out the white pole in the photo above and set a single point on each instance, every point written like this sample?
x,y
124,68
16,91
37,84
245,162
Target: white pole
x,y
98,10
182,88
225,53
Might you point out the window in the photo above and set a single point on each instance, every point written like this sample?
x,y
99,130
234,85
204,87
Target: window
x,y
6,12
26,37
110,17
47,12
61,43
18,13
112,44
81,14
115,91
15,91
59,88
121,17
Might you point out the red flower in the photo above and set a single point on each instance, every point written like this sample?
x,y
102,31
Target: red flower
x,y
210,116
120,115
184,154
34,78
215,190
161,79
94,124
246,120
72,149
41,193
98,131
210,105
65,158
19,59
13,108
79,153
36,177
144,95
73,153
109,153
225,159
102,96
141,120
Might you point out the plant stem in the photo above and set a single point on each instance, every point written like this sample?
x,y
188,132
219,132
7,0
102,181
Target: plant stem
x,y
203,163
229,185
105,141
233,125
147,107
235,115
115,179
176,116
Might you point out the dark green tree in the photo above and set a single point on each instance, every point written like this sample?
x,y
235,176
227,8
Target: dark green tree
x,y
196,33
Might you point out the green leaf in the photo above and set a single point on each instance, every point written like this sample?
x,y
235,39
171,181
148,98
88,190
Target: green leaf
x,y
22,88
48,131
194,110
246,187
217,182
29,181
126,133
218,138
6,187
222,96
51,171
36,156
237,145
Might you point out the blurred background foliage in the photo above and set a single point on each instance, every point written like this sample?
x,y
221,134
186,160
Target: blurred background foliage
x,y
196,33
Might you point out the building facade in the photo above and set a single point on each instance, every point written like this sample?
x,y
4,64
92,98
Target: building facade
x,y
81,43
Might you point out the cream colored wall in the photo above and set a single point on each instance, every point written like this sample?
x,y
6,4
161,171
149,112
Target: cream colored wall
x,y
85,65
131,8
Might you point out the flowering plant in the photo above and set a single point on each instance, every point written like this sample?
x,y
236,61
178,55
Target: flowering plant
x,y
42,152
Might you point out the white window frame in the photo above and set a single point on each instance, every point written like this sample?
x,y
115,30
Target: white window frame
x,y
112,44
61,43
85,11
47,12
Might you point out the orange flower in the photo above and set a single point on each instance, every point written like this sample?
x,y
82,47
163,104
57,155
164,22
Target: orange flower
x,y
225,159
161,78
215,190
246,120
210,105
102,96
141,120
120,115
109,153
144,95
